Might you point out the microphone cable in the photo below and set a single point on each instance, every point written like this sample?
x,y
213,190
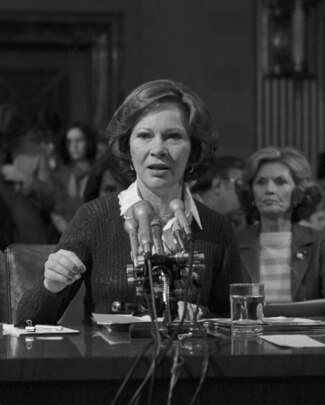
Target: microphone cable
x,y
154,325
171,338
205,364
187,286
130,372
160,354
175,372
156,339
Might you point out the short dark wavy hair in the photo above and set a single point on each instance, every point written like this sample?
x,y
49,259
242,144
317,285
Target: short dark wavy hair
x,y
220,167
104,163
148,97
90,137
305,197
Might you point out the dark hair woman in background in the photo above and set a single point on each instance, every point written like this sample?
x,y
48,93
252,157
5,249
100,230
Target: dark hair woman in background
x,y
77,151
104,178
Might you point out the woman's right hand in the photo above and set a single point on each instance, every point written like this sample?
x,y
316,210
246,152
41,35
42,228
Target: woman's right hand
x,y
62,268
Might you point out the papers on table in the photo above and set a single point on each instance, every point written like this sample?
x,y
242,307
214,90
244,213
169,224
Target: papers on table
x,y
273,324
119,319
294,341
39,330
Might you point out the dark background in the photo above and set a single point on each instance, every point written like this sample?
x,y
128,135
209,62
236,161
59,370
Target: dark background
x,y
214,46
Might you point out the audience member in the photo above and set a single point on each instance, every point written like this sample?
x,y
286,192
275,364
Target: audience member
x,y
104,178
161,135
216,188
50,126
26,185
277,192
77,151
317,218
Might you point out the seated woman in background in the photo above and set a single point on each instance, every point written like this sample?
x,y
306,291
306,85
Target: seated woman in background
x,y
317,218
277,192
104,178
77,150
163,137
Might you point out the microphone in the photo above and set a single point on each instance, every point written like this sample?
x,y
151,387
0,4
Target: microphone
x,y
144,213
178,209
156,226
131,227
178,234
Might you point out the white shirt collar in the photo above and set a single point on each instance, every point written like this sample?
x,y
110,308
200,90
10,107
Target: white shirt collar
x,y
131,195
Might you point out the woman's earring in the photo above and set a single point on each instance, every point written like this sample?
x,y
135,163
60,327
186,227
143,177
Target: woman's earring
x,y
190,170
131,167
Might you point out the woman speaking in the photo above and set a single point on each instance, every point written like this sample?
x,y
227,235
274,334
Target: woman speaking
x,y
163,137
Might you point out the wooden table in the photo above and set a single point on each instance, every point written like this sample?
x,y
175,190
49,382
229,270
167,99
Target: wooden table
x,y
87,369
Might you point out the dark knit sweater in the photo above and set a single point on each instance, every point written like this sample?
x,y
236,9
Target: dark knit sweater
x,y
96,234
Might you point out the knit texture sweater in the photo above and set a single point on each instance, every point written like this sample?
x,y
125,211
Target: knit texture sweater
x,y
96,235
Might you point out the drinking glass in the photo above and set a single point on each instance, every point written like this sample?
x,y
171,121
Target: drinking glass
x,y
247,305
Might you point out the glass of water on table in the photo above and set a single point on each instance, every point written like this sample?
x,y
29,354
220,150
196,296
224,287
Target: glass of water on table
x,y
246,306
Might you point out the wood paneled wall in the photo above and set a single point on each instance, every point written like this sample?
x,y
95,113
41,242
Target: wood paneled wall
x,y
291,113
291,110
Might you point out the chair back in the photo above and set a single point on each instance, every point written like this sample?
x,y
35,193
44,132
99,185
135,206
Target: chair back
x,y
24,266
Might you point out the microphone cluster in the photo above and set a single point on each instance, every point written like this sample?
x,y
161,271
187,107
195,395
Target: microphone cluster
x,y
145,228
160,273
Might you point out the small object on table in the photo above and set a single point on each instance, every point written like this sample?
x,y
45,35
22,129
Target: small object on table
x,y
30,327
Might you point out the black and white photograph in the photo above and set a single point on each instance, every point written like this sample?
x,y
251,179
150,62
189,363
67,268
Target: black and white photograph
x,y
162,202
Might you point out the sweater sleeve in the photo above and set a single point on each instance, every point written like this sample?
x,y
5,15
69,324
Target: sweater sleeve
x,y
42,306
222,262
228,271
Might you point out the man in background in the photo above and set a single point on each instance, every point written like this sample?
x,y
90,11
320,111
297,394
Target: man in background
x,y
216,188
